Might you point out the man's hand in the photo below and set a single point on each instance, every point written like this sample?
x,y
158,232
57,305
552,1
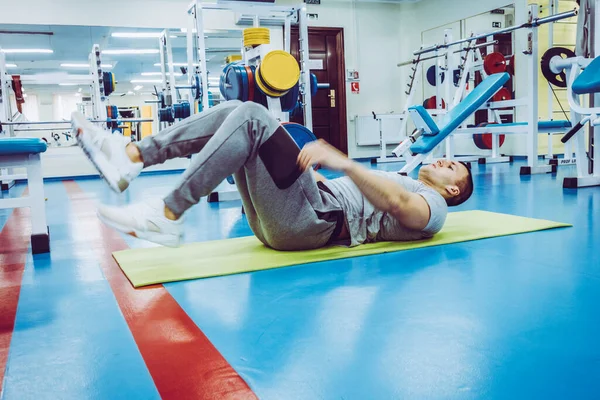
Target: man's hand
x,y
321,152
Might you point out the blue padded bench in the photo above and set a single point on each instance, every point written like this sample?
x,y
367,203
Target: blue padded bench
x,y
588,81
25,153
434,134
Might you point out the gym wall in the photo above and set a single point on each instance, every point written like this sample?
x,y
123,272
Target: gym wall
x,y
371,32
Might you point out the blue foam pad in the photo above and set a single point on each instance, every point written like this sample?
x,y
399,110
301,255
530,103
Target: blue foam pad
x,y
482,93
426,118
589,80
10,146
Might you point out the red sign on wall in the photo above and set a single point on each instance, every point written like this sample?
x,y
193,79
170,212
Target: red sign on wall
x,y
355,86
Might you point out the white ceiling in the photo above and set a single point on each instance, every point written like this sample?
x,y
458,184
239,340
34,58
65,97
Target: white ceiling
x,y
72,44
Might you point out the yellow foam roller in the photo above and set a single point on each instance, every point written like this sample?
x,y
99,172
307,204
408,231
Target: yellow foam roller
x,y
280,70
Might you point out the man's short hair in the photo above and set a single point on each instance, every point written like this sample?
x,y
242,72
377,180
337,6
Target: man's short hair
x,y
466,189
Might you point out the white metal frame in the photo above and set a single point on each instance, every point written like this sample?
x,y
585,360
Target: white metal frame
x,y
530,102
289,14
590,115
35,200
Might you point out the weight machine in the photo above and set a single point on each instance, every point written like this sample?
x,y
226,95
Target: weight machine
x,y
531,127
251,59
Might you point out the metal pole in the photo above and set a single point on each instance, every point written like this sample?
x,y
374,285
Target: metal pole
x,y
532,120
534,23
190,55
304,67
202,54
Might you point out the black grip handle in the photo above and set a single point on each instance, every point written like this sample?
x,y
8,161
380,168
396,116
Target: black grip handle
x,y
571,133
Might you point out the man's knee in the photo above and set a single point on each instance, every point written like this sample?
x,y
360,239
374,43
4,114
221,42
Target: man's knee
x,y
254,110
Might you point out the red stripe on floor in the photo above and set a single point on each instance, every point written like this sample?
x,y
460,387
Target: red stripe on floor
x,y
14,247
182,361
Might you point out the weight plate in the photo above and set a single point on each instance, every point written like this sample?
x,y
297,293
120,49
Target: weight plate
x,y
245,89
431,76
251,83
494,63
280,70
289,100
558,80
301,134
267,90
233,84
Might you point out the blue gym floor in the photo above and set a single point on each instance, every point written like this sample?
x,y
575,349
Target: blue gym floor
x,y
504,318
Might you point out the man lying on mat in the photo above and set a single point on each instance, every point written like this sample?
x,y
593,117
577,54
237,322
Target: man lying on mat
x,y
287,205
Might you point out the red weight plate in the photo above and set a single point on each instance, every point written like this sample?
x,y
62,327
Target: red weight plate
x,y
494,63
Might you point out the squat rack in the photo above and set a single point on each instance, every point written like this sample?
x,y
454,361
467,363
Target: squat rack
x,y
288,14
531,101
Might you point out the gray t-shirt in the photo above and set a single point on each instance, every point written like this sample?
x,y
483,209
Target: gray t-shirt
x,y
367,224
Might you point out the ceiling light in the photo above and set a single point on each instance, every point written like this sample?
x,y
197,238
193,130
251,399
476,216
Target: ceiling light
x,y
82,65
137,35
131,51
158,73
130,92
146,81
178,65
13,51
70,84
138,87
11,65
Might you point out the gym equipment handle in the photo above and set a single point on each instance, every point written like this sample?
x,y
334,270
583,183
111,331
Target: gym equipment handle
x,y
572,132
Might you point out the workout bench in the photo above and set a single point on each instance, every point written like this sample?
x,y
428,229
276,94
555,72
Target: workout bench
x,y
428,135
25,152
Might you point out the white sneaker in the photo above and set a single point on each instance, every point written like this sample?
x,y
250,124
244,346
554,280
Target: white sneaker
x,y
107,152
145,221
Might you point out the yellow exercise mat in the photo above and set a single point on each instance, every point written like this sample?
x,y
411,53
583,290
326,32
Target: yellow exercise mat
x,y
148,266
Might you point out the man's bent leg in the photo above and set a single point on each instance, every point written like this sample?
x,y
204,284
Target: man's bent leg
x,y
285,207
186,137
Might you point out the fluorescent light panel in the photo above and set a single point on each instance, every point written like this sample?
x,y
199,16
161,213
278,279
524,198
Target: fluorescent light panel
x,y
158,74
137,35
138,87
82,65
11,65
146,81
130,51
26,51
178,64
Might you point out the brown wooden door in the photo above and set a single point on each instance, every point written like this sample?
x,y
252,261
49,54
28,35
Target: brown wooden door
x,y
329,105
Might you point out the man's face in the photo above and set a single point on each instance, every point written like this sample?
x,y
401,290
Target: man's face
x,y
443,173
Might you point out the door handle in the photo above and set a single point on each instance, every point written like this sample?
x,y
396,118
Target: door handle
x,y
332,98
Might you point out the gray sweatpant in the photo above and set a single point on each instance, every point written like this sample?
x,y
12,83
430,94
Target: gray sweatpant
x,y
285,207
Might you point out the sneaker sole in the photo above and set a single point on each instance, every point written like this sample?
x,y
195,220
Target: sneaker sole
x,y
154,237
105,169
